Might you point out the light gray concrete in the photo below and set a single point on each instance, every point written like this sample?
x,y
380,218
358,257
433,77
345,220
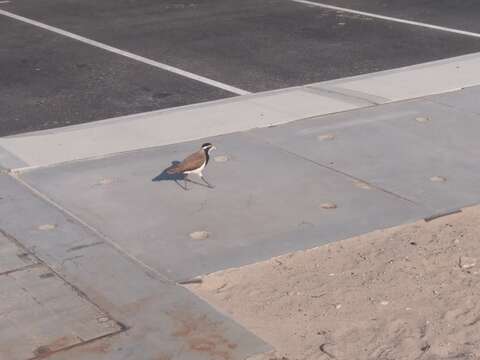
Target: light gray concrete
x,y
465,100
414,81
169,126
161,320
393,147
266,202
380,166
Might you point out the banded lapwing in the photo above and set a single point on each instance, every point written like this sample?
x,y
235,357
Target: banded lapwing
x,y
193,164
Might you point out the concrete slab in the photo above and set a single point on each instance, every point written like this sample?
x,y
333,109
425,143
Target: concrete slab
x,y
266,202
420,150
161,319
421,80
41,314
167,127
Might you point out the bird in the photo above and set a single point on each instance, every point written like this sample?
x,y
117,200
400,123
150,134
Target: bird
x,y
193,164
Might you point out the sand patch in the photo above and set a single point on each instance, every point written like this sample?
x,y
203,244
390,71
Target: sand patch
x,y
410,292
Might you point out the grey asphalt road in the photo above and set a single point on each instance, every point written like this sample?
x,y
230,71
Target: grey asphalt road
x,y
48,80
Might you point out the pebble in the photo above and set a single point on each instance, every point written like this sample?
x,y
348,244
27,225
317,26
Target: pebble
x,y
328,205
326,137
438,179
105,181
200,235
221,158
338,306
467,262
362,185
422,119
384,303
46,227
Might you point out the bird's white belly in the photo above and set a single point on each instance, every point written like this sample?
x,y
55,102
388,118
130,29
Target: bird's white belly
x,y
196,171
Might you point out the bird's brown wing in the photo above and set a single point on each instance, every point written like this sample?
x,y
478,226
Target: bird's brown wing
x,y
190,163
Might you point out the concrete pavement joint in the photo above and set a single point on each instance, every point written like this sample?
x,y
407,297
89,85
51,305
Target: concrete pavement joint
x,y
26,267
112,243
350,176
75,289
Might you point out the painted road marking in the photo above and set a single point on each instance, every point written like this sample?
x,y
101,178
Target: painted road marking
x,y
129,55
388,18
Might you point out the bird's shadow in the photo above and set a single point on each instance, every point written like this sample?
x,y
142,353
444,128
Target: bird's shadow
x,y
165,176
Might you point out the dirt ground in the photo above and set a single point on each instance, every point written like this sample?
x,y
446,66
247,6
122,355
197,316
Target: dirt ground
x,y
409,292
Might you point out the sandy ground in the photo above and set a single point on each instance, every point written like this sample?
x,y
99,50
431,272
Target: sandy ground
x,y
410,292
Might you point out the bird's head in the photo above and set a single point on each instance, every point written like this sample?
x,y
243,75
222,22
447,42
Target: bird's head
x,y
207,147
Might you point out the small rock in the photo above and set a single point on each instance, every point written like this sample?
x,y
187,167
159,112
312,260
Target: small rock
x,y
103,319
46,227
104,181
328,205
466,262
422,119
438,179
338,306
331,274
221,158
326,137
384,303
200,235
362,185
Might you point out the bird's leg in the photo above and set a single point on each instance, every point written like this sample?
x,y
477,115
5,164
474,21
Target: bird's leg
x,y
179,184
185,179
206,182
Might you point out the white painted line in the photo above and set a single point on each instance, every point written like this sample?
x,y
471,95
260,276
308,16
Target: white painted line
x,y
4,2
388,18
129,55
